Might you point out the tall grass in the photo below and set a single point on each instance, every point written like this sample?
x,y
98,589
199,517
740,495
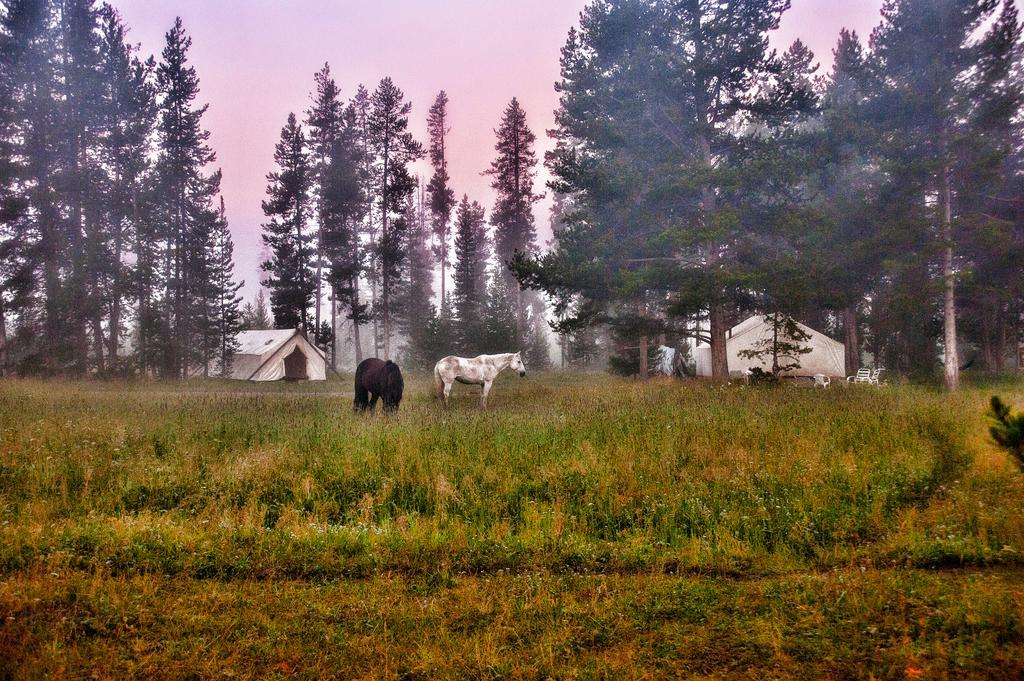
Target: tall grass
x,y
565,473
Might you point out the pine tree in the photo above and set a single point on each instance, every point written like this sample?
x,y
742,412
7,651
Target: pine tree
x,y
130,108
442,197
536,350
324,121
184,196
392,149
15,258
292,279
845,240
36,127
255,315
417,288
1007,429
224,314
581,349
784,346
500,327
361,106
470,276
343,207
514,170
80,180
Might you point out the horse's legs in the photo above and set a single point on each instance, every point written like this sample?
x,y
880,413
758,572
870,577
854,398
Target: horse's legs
x,y
484,393
447,391
373,401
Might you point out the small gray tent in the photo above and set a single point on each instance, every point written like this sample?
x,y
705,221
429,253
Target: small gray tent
x,y
273,355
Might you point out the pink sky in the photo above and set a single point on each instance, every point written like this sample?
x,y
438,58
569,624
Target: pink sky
x,y
256,59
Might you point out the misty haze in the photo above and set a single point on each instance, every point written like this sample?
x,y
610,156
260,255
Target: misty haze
x,y
511,339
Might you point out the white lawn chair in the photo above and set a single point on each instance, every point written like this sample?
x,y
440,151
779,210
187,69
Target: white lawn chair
x,y
822,381
874,376
862,376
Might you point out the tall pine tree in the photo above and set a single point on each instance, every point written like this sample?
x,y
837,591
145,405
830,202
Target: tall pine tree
x,y
442,196
184,196
324,121
470,276
292,278
392,149
343,205
417,310
225,316
513,171
131,115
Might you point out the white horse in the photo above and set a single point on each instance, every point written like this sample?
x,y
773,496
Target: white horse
x,y
481,370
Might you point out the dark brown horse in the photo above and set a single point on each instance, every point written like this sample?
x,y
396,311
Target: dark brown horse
x,y
375,379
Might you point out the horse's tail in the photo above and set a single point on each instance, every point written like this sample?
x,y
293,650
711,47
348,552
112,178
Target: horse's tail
x,y
438,383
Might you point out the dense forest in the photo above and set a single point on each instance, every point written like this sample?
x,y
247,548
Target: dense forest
x,y
115,255
355,238
706,176
699,176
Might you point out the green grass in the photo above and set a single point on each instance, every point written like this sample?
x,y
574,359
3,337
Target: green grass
x,y
488,543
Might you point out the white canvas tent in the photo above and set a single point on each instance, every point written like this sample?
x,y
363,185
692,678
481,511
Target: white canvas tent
x,y
827,356
272,355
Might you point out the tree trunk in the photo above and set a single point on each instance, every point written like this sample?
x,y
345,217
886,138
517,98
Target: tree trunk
x,y
719,358
319,284
716,313
987,354
181,332
1000,336
97,343
3,340
385,302
76,303
643,358
304,311
376,316
775,344
1018,347
78,297
95,293
355,323
850,340
142,266
520,313
385,283
54,329
115,300
952,366
334,329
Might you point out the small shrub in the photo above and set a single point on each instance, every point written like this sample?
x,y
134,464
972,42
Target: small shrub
x,y
1007,429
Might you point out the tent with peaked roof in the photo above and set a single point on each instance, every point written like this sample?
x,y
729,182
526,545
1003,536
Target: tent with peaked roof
x,y
275,354
827,356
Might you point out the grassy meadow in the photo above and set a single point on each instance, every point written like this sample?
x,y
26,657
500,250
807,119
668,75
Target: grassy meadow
x,y
584,527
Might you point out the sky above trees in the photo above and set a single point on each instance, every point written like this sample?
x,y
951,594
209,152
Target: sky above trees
x,y
256,59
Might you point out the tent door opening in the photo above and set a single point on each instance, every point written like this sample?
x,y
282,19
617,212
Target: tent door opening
x,y
295,366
